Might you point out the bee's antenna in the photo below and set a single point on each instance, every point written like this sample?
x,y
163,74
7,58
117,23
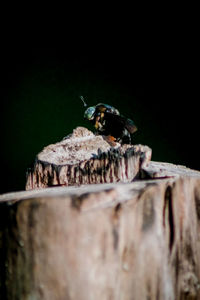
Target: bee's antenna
x,y
84,103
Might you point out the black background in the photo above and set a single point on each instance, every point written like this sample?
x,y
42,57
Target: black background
x,y
40,101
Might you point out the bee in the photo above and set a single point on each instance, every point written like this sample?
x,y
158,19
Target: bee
x,y
110,123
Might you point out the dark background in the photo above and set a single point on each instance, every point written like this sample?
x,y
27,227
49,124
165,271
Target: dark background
x,y
40,101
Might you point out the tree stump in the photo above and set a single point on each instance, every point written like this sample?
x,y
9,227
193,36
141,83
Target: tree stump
x,y
83,158
121,241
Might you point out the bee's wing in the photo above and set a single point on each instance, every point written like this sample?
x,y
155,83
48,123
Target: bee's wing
x,y
124,122
130,126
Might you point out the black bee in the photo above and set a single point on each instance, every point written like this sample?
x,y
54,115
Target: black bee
x,y
109,122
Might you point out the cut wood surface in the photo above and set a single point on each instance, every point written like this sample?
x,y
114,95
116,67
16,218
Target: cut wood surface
x,y
162,169
85,158
134,234
138,240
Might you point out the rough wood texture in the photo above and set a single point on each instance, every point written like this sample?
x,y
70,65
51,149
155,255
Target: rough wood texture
x,y
162,170
83,158
139,240
108,241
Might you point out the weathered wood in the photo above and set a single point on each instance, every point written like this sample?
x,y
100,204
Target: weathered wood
x,y
154,170
83,158
139,240
120,241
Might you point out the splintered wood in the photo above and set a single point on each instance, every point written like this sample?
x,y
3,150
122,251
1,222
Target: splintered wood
x,y
113,225
84,158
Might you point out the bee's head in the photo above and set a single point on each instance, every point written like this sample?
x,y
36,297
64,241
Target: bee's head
x,y
89,113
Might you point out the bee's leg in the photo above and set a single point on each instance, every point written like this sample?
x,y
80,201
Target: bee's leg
x,y
97,124
101,116
110,139
126,137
